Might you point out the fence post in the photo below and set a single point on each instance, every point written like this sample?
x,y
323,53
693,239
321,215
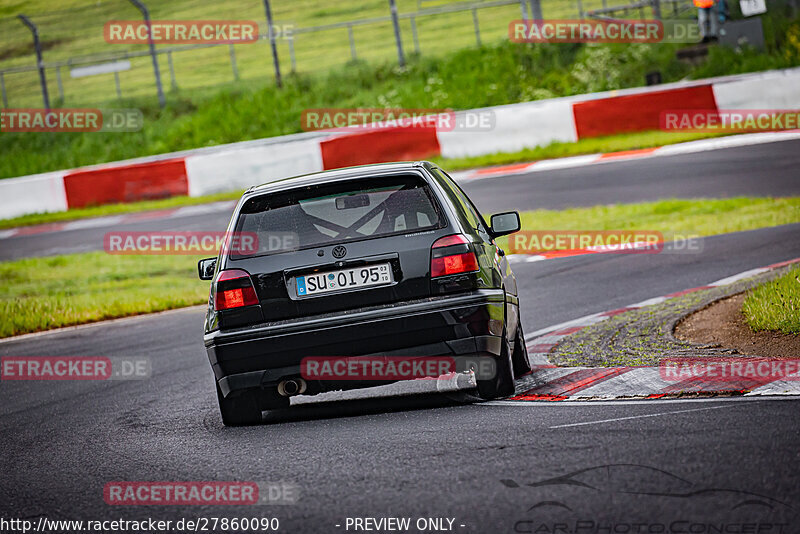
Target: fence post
x,y
657,8
233,61
116,84
477,28
414,34
524,8
352,42
37,45
291,53
396,23
173,83
580,9
271,35
60,85
146,14
3,90
536,10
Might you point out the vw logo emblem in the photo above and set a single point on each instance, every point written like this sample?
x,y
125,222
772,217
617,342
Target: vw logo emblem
x,y
339,252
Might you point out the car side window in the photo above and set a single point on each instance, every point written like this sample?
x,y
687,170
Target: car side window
x,y
473,217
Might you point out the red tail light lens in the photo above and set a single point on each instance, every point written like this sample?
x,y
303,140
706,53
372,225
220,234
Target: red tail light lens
x,y
234,289
452,255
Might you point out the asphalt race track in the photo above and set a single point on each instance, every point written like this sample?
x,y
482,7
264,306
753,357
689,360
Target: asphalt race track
x,y
625,466
714,174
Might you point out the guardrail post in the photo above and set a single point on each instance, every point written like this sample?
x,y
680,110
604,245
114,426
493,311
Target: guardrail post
x,y
352,42
146,14
580,9
39,62
524,7
401,58
657,8
271,34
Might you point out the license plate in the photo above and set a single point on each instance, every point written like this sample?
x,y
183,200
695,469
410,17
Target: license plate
x,y
367,276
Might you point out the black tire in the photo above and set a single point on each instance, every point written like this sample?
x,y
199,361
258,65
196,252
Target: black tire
x,y
519,358
240,410
502,384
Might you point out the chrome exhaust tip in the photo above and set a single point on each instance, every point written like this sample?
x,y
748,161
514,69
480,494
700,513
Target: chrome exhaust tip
x,y
291,387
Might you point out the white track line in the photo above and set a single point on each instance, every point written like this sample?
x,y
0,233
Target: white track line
x,y
627,402
638,417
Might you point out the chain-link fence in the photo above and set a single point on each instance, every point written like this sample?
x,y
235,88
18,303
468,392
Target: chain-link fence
x,y
352,30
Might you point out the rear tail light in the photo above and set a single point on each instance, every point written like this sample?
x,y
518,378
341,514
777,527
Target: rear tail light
x,y
234,289
452,255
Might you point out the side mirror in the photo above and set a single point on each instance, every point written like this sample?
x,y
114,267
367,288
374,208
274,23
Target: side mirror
x,y
505,223
205,268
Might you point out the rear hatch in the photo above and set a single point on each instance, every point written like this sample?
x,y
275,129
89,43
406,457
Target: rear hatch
x,y
341,245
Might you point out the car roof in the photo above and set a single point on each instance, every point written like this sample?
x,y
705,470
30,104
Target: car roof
x,y
337,174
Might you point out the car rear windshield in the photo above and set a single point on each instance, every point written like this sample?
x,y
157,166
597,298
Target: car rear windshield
x,y
338,212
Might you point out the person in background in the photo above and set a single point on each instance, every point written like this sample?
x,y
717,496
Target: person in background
x,y
707,19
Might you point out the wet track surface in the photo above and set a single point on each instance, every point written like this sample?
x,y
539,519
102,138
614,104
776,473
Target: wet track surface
x,y
488,465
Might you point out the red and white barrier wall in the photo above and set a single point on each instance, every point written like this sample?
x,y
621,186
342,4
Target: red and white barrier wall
x,y
516,126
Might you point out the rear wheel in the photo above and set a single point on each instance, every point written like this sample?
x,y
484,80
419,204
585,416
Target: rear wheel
x,y
502,384
240,410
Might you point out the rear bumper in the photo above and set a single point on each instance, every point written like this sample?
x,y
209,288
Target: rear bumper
x,y
460,325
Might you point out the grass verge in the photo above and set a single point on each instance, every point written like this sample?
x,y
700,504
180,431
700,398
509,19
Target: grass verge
x,y
699,217
775,305
115,209
44,293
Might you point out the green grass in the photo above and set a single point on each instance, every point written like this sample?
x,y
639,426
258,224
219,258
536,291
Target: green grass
x,y
460,78
775,305
115,209
44,293
675,219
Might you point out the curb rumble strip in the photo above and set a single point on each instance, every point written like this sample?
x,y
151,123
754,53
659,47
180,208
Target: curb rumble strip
x,y
546,382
